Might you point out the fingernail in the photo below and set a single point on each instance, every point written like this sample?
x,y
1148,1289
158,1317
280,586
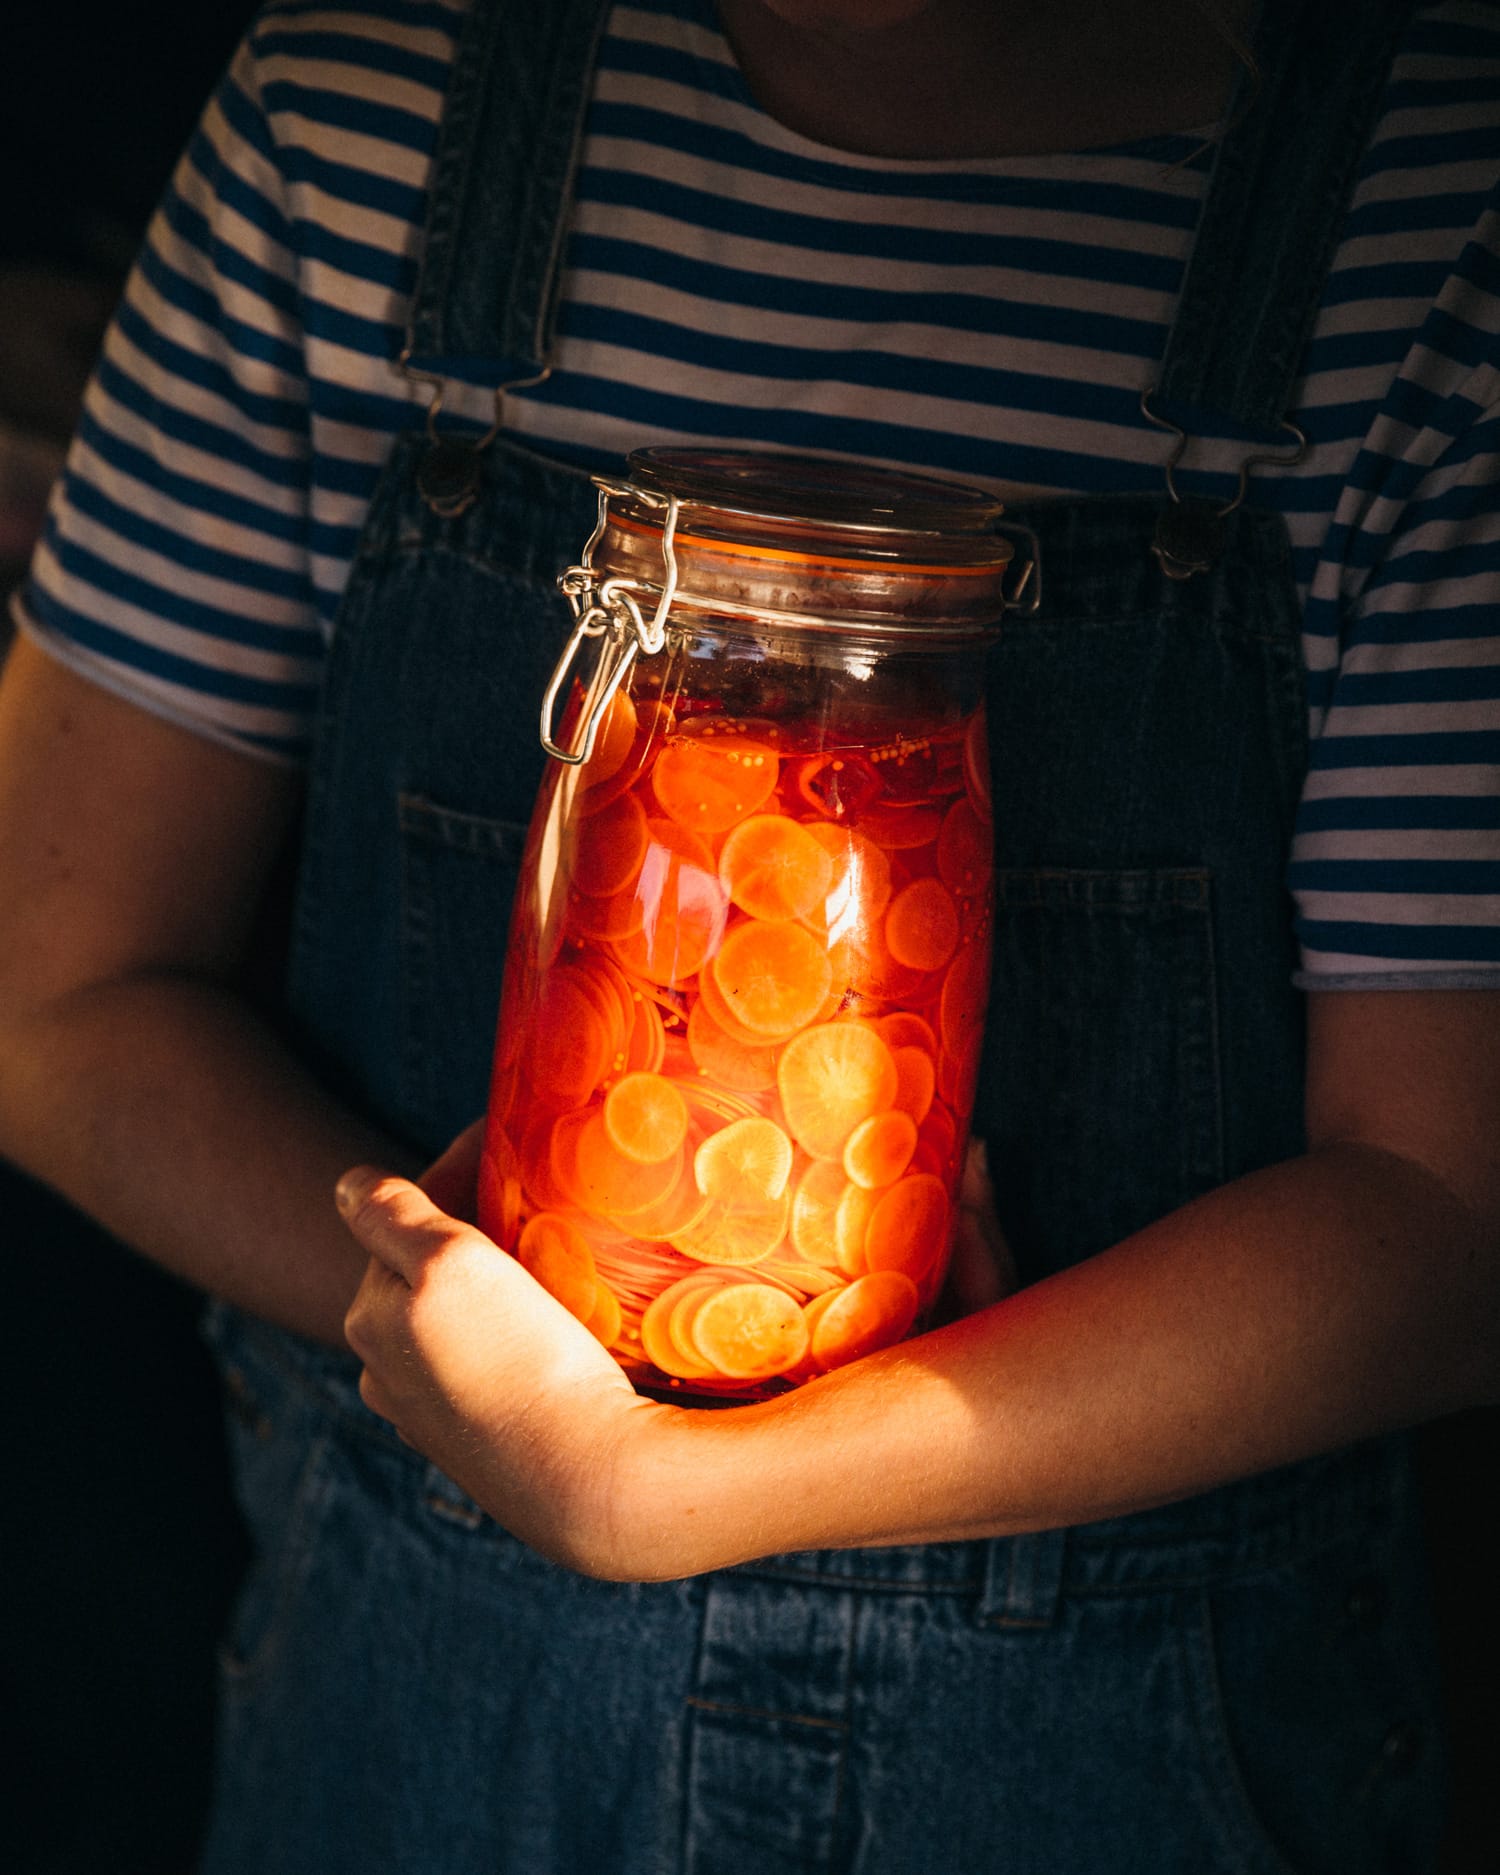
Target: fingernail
x,y
351,1188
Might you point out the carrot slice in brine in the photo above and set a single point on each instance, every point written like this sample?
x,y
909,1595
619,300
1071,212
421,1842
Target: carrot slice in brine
x,y
613,742
573,1043
814,1211
656,1339
775,977
773,868
879,1149
645,1117
557,1254
922,926
903,1029
736,1235
607,1318
908,1229
873,1312
860,888
747,1066
748,1331
683,907
747,1162
709,781
965,849
499,1188
609,848
916,1082
851,1222
611,1184
830,1078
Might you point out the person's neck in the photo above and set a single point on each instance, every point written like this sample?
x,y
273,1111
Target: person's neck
x,y
986,78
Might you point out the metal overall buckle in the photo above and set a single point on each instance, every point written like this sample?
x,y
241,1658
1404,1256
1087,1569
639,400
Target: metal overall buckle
x,y
1190,530
448,474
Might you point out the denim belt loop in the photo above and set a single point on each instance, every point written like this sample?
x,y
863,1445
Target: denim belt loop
x,y
1023,1578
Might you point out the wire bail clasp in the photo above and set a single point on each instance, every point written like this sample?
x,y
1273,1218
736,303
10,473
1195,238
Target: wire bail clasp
x,y
1190,531
612,611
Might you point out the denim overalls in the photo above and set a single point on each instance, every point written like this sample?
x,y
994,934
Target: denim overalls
x,y
1238,1683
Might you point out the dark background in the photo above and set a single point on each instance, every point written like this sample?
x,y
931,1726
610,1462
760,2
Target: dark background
x,y
123,1548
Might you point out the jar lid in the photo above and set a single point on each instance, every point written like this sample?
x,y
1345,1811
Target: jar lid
x,y
853,508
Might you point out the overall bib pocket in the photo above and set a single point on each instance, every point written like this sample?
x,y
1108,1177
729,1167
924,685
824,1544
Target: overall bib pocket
x,y
458,882
1101,1052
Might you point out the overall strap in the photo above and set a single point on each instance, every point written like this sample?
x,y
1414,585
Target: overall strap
x,y
1276,203
503,174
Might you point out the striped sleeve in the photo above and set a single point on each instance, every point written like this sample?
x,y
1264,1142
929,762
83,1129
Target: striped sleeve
x,y
1396,857
174,565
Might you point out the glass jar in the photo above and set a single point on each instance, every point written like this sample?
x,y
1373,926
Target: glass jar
x,y
746,978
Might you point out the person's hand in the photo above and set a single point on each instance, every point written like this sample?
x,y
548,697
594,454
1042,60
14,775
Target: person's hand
x,y
479,1368
982,1269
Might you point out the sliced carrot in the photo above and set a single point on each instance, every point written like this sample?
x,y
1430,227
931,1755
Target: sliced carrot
x,y
656,1340
749,1331
605,920
830,1078
613,742
747,1066
775,977
612,1184
539,1184
940,1131
879,1149
572,1040
735,1234
902,1029
916,1082
746,1162
557,1254
851,1222
609,848
645,1117
679,1208
958,1073
860,888
813,1312
606,1319
498,1197
901,829
773,868
646,1045
873,1312
965,849
814,1209
562,1159
961,1005
709,781
908,1229
683,907
922,926
864,971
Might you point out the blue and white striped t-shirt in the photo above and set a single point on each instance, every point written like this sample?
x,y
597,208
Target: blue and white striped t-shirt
x,y
729,280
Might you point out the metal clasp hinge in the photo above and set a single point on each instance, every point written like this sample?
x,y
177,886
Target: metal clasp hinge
x,y
1190,530
611,610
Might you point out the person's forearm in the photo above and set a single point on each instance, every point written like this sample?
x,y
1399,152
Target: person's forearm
x,y
1311,1305
165,1109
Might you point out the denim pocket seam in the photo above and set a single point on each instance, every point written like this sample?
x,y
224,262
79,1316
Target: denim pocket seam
x,y
1229,1807
242,1668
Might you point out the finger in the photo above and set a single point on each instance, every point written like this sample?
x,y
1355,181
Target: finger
x,y
395,1220
372,1315
450,1181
